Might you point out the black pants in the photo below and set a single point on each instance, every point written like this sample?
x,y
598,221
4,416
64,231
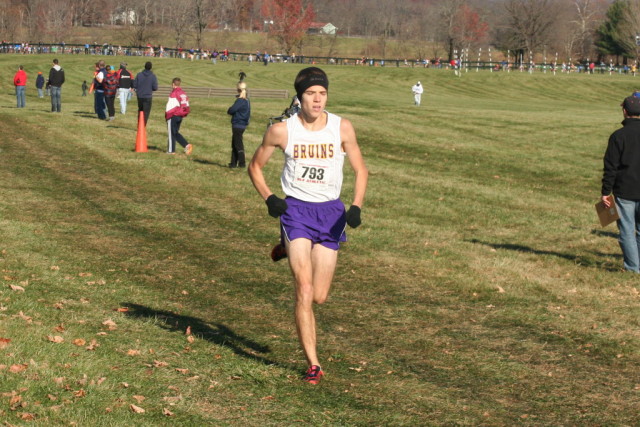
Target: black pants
x,y
237,148
173,126
144,105
109,100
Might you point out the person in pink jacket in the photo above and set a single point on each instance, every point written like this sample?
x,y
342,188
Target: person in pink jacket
x,y
20,82
177,109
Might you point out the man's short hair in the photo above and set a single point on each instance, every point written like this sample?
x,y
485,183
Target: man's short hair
x,y
176,81
55,61
148,65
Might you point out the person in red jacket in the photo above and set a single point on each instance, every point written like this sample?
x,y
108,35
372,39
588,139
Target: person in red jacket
x,y
177,109
20,82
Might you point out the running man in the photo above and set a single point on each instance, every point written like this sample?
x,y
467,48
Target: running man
x,y
312,217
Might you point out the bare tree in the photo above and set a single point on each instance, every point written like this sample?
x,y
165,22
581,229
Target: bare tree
x,y
529,22
57,20
203,12
180,20
141,31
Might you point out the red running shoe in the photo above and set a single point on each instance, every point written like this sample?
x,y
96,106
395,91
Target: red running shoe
x,y
278,252
314,375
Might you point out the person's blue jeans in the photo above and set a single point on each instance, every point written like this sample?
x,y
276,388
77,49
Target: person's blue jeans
x,y
123,95
21,96
99,104
56,100
629,226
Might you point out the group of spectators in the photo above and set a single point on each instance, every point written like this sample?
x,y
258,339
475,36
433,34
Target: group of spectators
x,y
53,85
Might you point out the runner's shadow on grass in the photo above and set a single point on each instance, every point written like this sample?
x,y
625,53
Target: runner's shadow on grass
x,y
217,333
578,260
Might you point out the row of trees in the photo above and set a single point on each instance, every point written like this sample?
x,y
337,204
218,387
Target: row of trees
x,y
579,29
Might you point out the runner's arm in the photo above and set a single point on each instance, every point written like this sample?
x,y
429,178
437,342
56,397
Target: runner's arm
x,y
352,149
275,136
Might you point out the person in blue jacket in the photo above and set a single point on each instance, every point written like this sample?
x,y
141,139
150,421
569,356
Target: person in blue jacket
x,y
240,112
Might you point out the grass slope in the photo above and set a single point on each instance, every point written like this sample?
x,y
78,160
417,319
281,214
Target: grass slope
x,y
479,290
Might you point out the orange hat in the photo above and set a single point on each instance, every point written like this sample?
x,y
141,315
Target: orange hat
x,y
39,72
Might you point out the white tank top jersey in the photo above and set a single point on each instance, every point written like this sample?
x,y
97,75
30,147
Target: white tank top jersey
x,y
313,161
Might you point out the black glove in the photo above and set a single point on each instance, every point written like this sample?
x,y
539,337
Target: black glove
x,y
353,216
276,205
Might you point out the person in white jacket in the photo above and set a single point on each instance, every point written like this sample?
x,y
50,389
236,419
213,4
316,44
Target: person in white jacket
x,y
417,93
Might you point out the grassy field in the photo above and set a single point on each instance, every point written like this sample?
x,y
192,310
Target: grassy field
x,y
480,289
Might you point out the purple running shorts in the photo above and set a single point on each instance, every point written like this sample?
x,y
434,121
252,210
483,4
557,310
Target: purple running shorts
x,y
322,223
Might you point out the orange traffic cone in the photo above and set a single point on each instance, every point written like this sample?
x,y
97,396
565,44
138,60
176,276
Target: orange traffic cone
x,y
141,138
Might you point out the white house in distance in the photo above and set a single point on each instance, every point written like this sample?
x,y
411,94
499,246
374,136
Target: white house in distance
x,y
325,28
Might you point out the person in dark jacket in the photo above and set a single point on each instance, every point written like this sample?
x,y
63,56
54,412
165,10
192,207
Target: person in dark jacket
x,y
99,104
40,84
145,84
622,178
240,112
56,80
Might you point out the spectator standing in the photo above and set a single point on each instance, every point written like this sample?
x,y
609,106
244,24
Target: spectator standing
x,y
620,177
240,113
84,88
417,90
98,87
20,81
145,84
40,84
56,80
177,109
110,90
125,85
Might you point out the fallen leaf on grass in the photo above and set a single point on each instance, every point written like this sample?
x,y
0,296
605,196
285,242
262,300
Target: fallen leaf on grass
x,y
133,352
160,364
101,380
110,324
121,309
25,317
139,398
55,339
80,393
54,268
58,306
500,289
52,397
15,402
85,274
4,342
172,400
79,342
92,346
167,412
125,385
136,409
27,416
182,370
16,288
60,328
